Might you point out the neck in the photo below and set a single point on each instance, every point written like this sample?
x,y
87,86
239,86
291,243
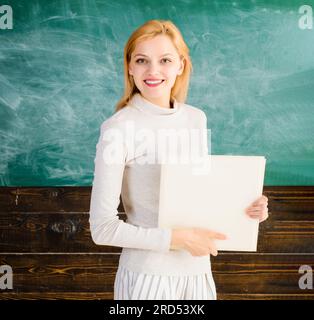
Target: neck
x,y
163,102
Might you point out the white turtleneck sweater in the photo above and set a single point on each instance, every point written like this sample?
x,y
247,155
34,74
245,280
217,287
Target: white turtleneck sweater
x,y
146,247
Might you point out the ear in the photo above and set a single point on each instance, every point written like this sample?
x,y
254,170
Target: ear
x,y
130,71
181,69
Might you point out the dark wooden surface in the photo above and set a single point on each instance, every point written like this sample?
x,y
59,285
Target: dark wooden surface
x,y
45,237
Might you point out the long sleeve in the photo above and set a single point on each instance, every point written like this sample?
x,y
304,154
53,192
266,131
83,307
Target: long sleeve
x,y
206,138
105,226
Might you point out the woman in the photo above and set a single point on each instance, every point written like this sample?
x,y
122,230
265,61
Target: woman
x,y
155,263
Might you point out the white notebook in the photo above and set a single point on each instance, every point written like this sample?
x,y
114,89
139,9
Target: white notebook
x,y
215,198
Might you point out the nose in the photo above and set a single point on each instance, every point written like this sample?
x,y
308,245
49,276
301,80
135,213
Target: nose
x,y
153,68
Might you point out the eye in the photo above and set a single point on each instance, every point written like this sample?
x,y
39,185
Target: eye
x,y
140,59
165,59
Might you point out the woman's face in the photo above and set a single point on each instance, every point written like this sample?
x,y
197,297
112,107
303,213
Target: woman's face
x,y
155,65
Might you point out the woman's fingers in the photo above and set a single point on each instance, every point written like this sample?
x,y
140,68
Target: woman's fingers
x,y
213,249
256,212
255,216
261,200
258,209
264,218
259,205
216,235
254,209
261,215
211,234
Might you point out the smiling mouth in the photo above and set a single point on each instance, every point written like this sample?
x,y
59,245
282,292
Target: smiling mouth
x,y
153,83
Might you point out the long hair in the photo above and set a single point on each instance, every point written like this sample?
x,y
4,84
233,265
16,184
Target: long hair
x,y
149,30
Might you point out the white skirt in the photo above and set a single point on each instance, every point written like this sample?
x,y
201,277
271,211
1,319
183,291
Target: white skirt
x,y
131,285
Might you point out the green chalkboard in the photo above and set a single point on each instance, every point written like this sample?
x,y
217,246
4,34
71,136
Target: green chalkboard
x,y
61,74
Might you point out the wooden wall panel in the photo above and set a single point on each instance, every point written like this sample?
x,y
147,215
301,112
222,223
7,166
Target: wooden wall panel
x,y
69,232
45,237
235,274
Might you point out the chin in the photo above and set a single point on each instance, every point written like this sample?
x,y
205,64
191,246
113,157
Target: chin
x,y
154,93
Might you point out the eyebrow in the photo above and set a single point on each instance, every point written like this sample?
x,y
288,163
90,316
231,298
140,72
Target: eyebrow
x,y
166,54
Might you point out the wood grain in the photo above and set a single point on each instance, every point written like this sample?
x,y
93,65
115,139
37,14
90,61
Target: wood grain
x,y
234,273
69,232
45,237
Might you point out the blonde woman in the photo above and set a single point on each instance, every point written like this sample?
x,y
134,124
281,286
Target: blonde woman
x,y
155,262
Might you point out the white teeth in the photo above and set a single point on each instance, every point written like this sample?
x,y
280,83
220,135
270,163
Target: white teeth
x,y
153,82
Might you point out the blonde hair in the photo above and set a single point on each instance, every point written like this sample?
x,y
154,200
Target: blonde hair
x,y
149,30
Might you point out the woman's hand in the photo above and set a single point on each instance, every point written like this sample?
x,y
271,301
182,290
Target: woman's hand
x,y
198,241
201,241
258,209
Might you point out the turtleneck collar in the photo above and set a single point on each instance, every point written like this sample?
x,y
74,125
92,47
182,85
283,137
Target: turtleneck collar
x,y
138,101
